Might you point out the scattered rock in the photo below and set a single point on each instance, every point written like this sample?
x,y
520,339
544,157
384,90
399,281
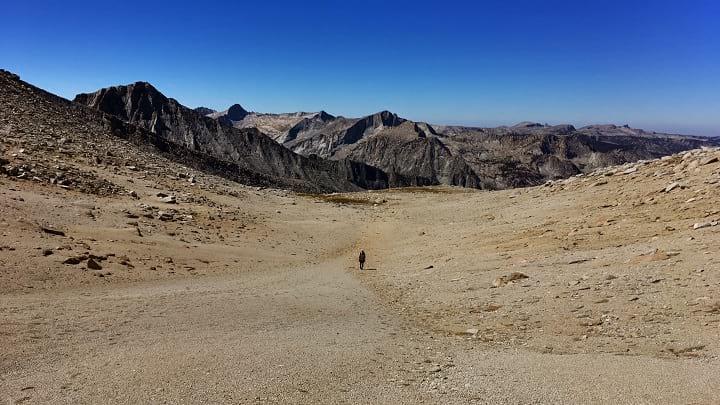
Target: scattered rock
x,y
672,186
52,231
708,160
592,322
578,261
630,170
701,225
653,256
491,307
165,216
504,280
93,265
75,260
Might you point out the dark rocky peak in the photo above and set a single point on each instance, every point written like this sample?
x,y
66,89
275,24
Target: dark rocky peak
x,y
137,101
233,114
360,128
385,118
204,110
324,116
528,124
236,112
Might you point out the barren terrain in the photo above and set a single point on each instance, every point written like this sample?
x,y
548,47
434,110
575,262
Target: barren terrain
x,y
592,289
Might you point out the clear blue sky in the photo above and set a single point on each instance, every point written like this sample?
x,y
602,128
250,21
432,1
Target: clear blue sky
x,y
651,64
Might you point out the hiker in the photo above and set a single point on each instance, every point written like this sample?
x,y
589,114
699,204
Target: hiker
x,y
362,259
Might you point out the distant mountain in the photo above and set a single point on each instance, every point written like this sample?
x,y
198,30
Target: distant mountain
x,y
233,114
204,110
417,153
142,105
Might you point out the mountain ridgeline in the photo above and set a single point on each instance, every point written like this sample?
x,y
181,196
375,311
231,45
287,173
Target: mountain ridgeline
x,y
142,105
320,152
417,153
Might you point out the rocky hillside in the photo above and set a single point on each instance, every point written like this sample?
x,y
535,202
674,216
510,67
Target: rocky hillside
x,y
142,105
416,153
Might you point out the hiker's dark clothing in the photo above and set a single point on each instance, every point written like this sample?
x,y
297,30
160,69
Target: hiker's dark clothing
x,y
362,259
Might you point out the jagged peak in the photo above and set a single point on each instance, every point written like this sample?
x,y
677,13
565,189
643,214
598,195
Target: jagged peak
x,y
324,116
236,112
136,90
386,118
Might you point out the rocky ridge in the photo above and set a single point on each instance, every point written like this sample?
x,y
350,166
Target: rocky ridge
x,y
142,105
417,153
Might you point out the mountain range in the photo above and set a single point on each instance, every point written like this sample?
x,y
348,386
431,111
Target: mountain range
x,y
418,153
319,152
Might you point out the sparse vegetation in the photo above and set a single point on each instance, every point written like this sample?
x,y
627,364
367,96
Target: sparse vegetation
x,y
342,199
431,189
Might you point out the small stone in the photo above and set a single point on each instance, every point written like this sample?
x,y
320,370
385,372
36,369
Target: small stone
x,y
165,216
671,187
52,231
592,322
708,160
503,280
93,265
630,170
74,260
701,225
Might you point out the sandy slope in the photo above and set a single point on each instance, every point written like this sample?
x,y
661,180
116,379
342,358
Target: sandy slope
x,y
249,295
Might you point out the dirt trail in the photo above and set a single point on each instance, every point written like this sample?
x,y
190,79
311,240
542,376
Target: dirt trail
x,y
310,334
289,336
